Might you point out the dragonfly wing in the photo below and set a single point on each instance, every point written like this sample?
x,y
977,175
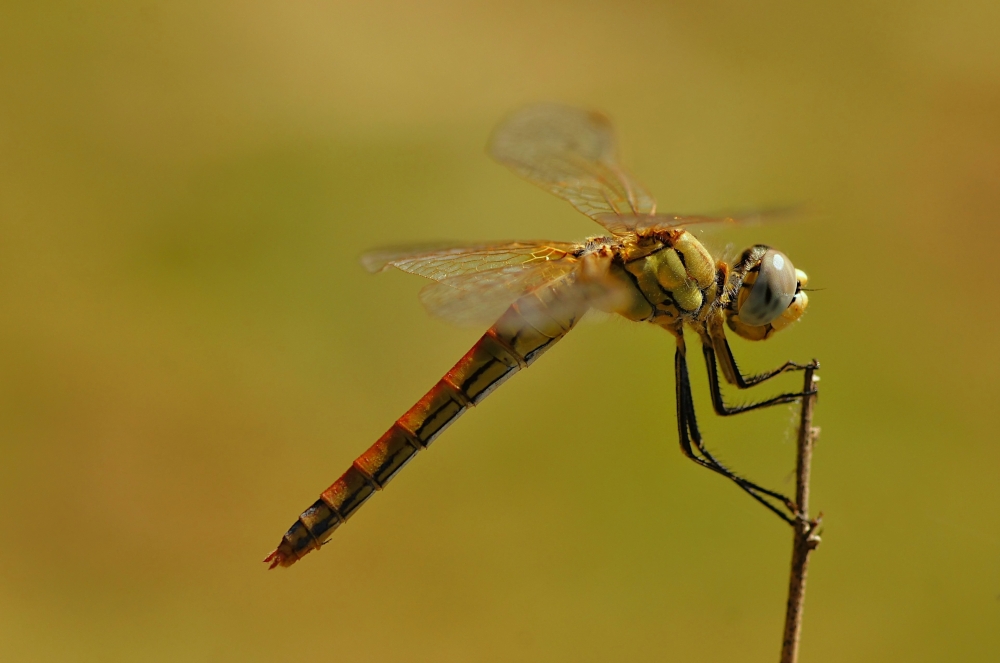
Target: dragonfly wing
x,y
478,299
573,154
439,262
475,284
640,223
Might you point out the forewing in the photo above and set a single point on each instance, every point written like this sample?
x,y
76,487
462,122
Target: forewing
x,y
475,284
572,153
623,223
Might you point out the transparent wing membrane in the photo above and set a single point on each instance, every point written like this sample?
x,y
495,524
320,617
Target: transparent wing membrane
x,y
475,284
443,262
571,153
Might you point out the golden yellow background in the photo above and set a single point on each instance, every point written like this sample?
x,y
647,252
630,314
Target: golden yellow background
x,y
190,351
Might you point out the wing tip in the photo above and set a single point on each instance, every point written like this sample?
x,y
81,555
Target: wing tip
x,y
373,262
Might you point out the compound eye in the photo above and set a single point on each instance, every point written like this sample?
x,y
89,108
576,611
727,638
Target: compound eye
x,y
771,292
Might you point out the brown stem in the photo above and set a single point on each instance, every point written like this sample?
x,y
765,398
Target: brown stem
x,y
806,537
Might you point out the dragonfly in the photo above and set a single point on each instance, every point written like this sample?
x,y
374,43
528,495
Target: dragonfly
x,y
645,267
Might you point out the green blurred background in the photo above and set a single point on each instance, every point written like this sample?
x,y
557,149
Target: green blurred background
x,y
190,351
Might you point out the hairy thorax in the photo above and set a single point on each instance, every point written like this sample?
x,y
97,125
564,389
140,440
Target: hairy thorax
x,y
661,277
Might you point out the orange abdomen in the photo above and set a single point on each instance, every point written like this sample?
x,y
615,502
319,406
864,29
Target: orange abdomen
x,y
521,335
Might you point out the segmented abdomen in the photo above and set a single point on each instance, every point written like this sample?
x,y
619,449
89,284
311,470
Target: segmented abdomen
x,y
528,328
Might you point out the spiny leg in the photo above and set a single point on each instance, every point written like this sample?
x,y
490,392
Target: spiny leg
x,y
716,337
687,426
716,387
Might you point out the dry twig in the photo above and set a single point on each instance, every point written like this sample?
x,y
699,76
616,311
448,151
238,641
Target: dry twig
x,y
806,536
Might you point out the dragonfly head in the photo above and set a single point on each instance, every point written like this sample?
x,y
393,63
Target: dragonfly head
x,y
769,295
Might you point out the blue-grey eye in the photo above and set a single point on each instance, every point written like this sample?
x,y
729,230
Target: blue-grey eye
x,y
772,292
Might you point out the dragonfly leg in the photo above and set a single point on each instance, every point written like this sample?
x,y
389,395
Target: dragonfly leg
x,y
716,387
693,446
716,338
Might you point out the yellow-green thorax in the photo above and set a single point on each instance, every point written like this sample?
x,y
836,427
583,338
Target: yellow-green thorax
x,y
673,272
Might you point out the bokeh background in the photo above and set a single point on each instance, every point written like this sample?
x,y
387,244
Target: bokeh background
x,y
190,351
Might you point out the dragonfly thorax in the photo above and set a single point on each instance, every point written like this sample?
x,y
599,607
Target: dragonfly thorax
x,y
673,272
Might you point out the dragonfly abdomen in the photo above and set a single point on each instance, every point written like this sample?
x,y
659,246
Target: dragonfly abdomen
x,y
529,327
